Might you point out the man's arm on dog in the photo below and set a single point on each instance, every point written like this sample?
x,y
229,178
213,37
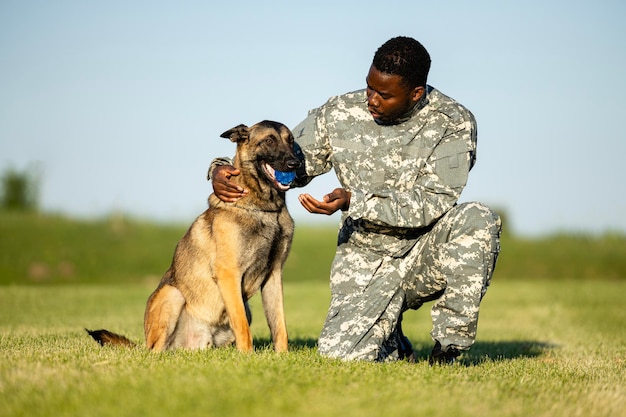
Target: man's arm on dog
x,y
221,169
219,173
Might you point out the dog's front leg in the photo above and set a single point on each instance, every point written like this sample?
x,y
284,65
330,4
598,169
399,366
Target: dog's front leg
x,y
229,283
272,296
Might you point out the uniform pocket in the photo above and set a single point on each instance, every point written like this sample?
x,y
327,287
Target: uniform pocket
x,y
451,163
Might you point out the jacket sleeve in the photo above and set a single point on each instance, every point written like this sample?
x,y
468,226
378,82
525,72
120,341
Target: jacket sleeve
x,y
312,148
437,187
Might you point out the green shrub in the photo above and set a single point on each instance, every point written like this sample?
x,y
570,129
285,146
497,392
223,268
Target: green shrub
x,y
20,190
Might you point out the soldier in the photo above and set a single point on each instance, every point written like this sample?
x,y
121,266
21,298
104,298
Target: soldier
x,y
402,152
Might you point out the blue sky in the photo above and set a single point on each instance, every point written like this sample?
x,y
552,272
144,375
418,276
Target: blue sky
x,y
121,104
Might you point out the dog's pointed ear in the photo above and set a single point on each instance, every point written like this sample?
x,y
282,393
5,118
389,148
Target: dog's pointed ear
x,y
236,134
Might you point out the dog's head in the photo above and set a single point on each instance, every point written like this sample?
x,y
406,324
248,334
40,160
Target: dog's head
x,y
270,147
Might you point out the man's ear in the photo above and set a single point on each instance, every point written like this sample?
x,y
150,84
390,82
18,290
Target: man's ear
x,y
236,134
417,94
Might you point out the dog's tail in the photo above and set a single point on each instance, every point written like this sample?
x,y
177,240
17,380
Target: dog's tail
x,y
105,337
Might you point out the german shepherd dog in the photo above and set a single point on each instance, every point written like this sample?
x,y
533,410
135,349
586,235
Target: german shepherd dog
x,y
229,253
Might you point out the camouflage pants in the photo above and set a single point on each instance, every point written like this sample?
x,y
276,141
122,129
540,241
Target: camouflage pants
x,y
451,264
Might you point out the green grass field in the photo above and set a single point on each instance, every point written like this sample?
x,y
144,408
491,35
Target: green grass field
x,y
551,341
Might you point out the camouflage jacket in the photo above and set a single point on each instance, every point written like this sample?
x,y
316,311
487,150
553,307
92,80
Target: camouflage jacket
x,y
402,177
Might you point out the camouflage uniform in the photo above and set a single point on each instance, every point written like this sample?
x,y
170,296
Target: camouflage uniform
x,y
404,239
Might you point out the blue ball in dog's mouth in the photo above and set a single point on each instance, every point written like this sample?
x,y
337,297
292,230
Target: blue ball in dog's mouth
x,y
285,178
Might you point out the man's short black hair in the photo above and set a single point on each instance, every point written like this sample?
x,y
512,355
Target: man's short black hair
x,y
406,57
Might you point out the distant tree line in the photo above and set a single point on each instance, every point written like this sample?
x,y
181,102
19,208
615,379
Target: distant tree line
x,y
19,190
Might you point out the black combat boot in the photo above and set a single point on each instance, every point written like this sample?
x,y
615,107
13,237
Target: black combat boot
x,y
439,357
405,348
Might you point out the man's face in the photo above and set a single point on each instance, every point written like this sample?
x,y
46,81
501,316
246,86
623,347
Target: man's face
x,y
388,99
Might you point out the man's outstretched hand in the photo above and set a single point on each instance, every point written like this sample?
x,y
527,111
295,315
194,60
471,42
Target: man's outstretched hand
x,y
223,188
338,199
